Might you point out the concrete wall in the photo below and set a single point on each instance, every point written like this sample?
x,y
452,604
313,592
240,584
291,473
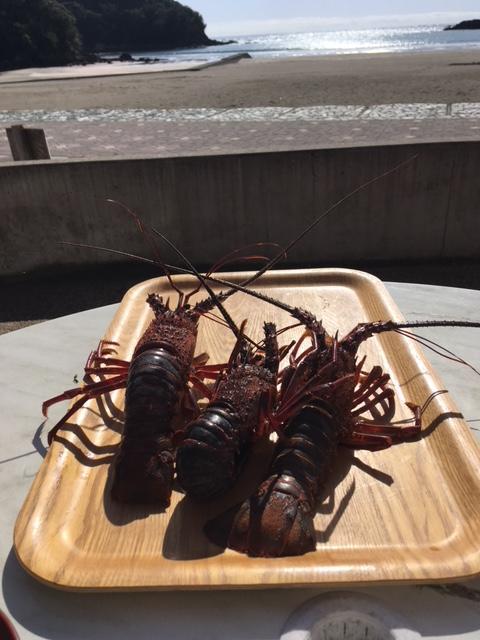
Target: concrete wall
x,y
211,204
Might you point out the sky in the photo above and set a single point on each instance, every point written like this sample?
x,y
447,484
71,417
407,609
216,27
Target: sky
x,y
236,17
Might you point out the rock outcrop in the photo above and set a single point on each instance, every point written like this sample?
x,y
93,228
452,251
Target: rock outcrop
x,y
466,24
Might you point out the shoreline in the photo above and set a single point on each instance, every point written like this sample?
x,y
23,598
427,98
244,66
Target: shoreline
x,y
295,81
108,69
116,68
86,71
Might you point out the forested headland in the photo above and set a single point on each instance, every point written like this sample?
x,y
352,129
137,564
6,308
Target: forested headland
x,y
466,24
36,33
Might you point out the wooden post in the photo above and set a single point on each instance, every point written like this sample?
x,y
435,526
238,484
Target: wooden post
x,y
27,144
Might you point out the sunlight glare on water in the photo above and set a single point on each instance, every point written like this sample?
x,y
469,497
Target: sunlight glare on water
x,y
353,41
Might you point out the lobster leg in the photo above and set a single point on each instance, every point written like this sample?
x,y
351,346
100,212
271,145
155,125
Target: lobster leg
x,y
368,435
398,434
111,385
388,407
198,384
371,383
200,360
117,362
97,387
310,389
367,441
106,371
388,394
114,367
265,412
75,407
102,356
211,371
190,410
294,357
66,395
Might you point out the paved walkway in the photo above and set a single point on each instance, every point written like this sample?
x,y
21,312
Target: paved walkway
x,y
143,132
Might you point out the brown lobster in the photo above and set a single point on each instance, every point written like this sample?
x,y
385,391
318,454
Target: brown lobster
x,y
216,443
121,374
322,397
157,390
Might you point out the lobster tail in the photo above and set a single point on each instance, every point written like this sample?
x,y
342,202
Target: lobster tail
x,y
144,468
215,445
277,521
143,473
208,461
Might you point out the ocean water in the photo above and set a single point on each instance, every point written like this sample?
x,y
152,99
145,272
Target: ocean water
x,y
377,40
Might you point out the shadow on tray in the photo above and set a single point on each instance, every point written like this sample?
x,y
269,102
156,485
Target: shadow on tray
x,y
184,537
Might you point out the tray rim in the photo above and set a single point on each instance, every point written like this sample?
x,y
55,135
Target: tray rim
x,y
465,435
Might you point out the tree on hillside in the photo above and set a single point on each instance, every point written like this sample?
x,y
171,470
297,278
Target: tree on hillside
x,y
36,33
89,21
137,24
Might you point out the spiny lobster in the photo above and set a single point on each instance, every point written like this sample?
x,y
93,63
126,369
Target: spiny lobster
x,y
322,397
215,444
156,381
157,391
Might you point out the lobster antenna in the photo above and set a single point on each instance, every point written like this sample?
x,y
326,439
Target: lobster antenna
x,y
152,243
125,254
381,328
236,287
424,406
138,258
213,297
271,263
208,288
435,323
237,256
293,242
437,348
390,326
326,213
366,330
142,228
230,257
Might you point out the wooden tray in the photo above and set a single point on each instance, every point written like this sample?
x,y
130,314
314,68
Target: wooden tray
x,y
408,514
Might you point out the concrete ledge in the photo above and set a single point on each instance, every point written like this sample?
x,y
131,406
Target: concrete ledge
x,y
211,204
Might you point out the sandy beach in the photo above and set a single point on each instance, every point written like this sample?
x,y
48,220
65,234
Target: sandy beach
x,y
295,82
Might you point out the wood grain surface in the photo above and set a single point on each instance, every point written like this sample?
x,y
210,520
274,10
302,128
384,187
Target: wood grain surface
x,y
408,514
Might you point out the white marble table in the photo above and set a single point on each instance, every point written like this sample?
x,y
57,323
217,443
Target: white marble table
x,y
41,360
